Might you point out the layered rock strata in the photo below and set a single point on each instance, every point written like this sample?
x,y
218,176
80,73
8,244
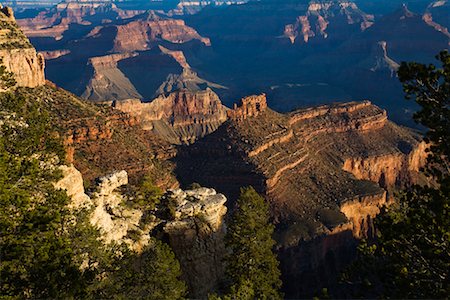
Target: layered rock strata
x,y
315,21
181,117
17,54
56,21
326,171
139,34
108,82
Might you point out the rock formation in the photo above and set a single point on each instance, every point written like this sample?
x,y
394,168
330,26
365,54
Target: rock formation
x,y
180,117
187,80
319,15
196,235
108,82
189,7
383,61
56,21
436,16
326,171
17,53
139,34
54,54
195,227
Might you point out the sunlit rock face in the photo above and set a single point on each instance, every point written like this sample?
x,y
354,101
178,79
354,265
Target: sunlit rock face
x,y
180,117
17,53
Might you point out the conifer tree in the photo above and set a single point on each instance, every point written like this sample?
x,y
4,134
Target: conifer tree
x,y
153,274
252,266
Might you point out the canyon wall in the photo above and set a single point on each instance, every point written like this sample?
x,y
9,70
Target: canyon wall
x,y
137,35
108,82
319,14
180,117
308,164
17,54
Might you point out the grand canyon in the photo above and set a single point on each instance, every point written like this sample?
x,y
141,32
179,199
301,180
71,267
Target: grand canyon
x,y
298,99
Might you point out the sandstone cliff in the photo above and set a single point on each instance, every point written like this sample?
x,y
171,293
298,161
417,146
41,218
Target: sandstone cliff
x,y
180,117
55,21
17,54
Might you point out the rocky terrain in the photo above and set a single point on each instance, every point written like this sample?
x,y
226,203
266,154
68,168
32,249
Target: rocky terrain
x,y
17,54
181,117
308,53
326,171
320,14
195,229
54,22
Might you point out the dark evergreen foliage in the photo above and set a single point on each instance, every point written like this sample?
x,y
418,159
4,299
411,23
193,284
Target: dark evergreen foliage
x,y
252,266
411,256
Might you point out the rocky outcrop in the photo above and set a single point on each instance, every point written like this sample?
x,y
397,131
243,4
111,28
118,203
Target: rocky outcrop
x,y
108,82
108,211
390,170
196,235
189,7
361,212
17,54
111,215
320,14
72,182
187,80
301,162
195,226
383,61
250,106
139,34
428,18
180,117
27,66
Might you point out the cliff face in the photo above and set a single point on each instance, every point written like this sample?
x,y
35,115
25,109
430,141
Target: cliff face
x,y
308,165
17,53
180,117
99,140
139,34
54,22
27,66
108,82
388,170
318,17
